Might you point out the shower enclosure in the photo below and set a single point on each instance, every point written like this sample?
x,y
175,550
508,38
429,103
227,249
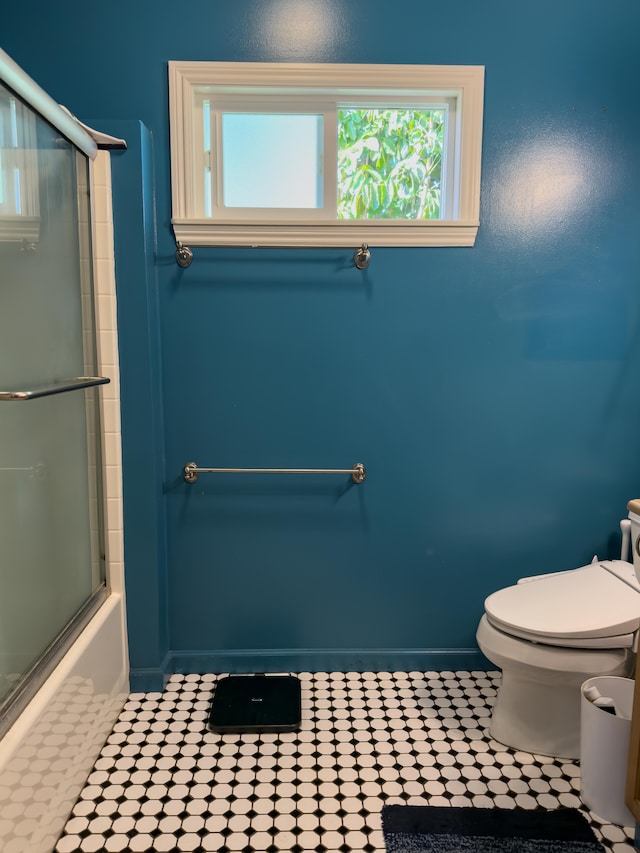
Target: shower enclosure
x,y
52,573
63,659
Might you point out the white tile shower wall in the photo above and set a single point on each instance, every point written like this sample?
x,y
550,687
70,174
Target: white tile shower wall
x,y
84,175
46,756
106,318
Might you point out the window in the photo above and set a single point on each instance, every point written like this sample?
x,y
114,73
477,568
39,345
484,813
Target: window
x,y
325,155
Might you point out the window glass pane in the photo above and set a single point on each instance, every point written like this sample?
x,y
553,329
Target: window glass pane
x,y
206,140
389,163
272,160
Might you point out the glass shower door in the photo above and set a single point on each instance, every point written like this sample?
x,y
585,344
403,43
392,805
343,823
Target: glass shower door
x,y
51,538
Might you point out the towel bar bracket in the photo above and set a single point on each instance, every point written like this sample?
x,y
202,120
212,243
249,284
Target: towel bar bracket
x,y
362,257
184,255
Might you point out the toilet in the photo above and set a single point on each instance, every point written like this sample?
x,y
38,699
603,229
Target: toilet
x,y
550,633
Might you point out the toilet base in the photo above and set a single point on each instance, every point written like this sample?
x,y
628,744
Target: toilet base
x,y
537,718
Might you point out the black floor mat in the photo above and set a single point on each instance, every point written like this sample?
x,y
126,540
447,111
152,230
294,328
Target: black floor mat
x,y
256,703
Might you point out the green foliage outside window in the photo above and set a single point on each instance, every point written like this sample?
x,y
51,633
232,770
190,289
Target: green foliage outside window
x,y
389,163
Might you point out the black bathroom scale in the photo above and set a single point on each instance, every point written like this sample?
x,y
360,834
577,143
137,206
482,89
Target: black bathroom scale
x,y
256,703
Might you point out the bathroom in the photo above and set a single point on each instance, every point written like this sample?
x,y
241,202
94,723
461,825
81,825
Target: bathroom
x,y
489,390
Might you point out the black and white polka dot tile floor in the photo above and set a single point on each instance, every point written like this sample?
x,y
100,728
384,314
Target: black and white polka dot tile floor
x,y
163,782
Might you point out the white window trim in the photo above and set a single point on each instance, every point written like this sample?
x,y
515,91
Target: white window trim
x,y
466,83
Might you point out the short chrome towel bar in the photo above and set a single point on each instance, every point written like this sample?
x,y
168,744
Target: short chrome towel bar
x,y
190,471
59,387
184,255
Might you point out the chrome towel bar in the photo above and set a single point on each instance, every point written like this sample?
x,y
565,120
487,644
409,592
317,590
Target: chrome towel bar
x,y
56,387
191,471
184,256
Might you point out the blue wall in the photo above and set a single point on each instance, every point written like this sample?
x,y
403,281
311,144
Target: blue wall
x,y
491,391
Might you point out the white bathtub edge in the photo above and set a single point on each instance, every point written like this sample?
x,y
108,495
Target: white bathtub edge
x,y
48,753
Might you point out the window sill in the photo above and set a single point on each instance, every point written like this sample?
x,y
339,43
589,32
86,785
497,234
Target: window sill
x,y
19,229
339,234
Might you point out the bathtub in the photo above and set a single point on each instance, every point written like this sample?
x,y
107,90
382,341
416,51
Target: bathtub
x,y
46,756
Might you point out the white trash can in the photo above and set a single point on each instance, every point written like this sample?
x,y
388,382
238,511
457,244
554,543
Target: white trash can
x,y
604,749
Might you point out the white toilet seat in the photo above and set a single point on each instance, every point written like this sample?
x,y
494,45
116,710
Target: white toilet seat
x,y
620,641
555,663
596,606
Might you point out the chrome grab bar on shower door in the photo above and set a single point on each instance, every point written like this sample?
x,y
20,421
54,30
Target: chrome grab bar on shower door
x,y
191,471
58,387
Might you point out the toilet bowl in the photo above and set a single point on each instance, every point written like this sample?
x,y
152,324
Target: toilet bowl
x,y
548,634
